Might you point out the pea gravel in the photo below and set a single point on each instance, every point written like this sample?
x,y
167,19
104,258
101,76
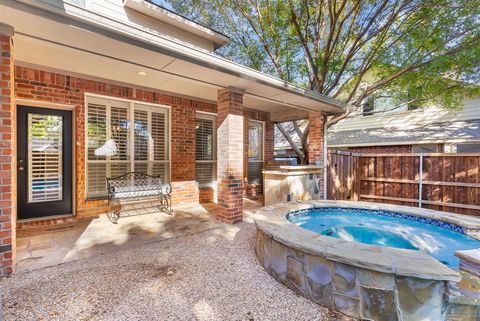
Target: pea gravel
x,y
213,275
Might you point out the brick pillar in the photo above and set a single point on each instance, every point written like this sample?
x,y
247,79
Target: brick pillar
x,y
7,152
183,152
269,141
316,143
230,155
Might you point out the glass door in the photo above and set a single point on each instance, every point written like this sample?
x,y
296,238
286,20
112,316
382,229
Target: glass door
x,y
44,162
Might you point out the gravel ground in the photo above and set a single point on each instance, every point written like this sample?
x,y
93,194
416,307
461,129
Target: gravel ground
x,y
212,275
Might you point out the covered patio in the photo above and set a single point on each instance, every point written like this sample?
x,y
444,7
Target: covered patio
x,y
95,236
148,81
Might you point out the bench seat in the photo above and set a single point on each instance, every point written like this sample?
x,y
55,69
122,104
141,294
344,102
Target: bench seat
x,y
135,187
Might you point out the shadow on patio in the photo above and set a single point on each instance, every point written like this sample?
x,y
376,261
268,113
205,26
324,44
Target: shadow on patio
x,y
97,236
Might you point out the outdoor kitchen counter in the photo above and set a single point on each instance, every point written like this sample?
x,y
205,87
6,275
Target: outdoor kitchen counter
x,y
291,183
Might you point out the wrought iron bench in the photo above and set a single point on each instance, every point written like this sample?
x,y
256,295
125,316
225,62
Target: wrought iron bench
x,y
138,190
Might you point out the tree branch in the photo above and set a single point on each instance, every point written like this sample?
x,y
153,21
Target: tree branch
x,y
294,147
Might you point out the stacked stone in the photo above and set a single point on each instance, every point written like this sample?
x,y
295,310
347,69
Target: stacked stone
x,y
469,261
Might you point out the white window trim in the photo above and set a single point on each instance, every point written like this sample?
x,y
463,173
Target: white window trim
x,y
209,116
263,141
131,103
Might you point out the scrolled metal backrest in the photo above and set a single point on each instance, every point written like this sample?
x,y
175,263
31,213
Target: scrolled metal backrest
x,y
133,182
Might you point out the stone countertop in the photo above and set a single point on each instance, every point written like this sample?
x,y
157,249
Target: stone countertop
x,y
272,221
294,170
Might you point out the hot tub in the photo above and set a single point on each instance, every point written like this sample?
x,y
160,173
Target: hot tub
x,y
372,261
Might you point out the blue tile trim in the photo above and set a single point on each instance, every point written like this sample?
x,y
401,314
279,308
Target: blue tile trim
x,y
426,220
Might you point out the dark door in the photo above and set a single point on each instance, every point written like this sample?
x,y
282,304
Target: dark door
x,y
44,162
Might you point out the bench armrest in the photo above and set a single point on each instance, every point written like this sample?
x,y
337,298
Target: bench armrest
x,y
166,188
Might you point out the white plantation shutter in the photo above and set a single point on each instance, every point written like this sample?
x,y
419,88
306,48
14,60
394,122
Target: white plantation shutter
x,y
119,132
45,158
96,129
139,134
96,182
205,150
96,138
159,145
151,141
158,136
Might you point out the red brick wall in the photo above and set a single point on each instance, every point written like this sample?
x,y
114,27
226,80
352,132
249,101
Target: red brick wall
x,y
64,89
382,149
207,194
316,144
316,137
268,142
230,156
7,153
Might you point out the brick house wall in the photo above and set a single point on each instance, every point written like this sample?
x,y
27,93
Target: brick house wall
x,y
52,87
39,85
7,152
316,145
230,155
268,148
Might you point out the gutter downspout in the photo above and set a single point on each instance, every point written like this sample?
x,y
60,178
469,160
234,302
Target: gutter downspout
x,y
325,160
328,124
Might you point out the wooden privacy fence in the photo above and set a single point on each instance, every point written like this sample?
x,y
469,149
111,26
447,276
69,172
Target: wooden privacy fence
x,y
445,182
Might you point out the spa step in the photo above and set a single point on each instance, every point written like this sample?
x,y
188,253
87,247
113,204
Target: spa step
x,y
466,291
463,299
469,261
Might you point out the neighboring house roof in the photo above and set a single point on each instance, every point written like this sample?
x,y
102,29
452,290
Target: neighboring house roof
x,y
442,132
430,125
421,126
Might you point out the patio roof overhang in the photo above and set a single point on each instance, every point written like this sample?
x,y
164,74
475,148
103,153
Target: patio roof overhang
x,y
78,41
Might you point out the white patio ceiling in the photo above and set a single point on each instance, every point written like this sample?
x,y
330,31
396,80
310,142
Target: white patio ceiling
x,y
64,44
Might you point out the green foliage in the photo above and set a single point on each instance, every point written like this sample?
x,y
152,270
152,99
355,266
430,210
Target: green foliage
x,y
351,49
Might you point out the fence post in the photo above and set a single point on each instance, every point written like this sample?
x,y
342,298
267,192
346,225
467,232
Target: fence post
x,y
420,180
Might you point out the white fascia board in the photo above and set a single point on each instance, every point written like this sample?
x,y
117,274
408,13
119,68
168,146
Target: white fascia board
x,y
164,15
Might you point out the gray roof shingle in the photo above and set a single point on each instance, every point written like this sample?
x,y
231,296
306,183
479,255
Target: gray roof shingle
x,y
434,132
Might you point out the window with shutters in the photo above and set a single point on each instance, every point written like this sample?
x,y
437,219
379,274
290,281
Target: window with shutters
x,y
255,152
205,150
124,136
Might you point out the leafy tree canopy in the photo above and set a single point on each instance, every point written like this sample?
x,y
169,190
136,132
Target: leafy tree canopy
x,y
427,51
415,52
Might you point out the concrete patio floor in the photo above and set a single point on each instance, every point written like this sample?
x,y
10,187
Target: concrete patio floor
x,y
90,237
207,272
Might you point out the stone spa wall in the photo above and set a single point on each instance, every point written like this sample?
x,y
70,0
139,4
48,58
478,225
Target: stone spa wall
x,y
353,290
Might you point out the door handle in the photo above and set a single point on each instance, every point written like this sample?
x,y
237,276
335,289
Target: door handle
x,y
20,164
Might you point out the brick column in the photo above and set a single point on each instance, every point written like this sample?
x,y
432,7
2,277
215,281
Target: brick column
x,y
269,141
7,152
316,137
316,143
230,155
